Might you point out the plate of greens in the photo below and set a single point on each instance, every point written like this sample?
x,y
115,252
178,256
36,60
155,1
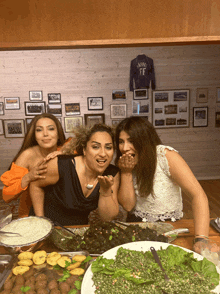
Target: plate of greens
x,y
130,268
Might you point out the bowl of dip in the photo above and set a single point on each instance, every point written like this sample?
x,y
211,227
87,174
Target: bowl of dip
x,y
32,230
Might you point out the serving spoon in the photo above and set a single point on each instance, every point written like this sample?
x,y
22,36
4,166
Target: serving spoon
x,y
157,259
9,233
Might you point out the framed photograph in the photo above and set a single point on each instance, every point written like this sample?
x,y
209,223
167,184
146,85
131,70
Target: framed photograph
x,y
1,108
72,122
14,128
12,103
95,103
72,108
92,119
36,95
141,94
34,108
28,122
200,116
1,127
54,98
115,122
218,95
202,95
118,111
140,106
217,119
55,109
118,95
170,109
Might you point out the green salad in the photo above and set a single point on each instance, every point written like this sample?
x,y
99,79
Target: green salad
x,y
137,272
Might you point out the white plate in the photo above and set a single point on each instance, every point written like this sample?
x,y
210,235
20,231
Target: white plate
x,y
87,283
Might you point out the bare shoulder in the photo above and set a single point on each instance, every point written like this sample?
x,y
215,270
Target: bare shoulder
x,y
26,157
52,174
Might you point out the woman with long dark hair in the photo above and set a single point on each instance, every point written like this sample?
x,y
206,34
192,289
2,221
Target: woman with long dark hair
x,y
44,135
153,176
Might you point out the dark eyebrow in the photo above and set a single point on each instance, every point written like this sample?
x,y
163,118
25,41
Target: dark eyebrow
x,y
94,142
46,126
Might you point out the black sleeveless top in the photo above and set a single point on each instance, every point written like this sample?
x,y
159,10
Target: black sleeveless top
x,y
64,202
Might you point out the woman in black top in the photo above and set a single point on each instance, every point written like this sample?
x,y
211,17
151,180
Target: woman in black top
x,y
80,181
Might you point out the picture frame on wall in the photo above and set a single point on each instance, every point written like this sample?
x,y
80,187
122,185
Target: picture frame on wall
x,y
14,128
140,94
115,122
12,103
72,122
55,109
28,121
218,95
140,107
34,108
217,119
118,94
200,116
72,108
36,95
92,119
1,127
54,98
202,95
95,103
170,109
118,111
1,108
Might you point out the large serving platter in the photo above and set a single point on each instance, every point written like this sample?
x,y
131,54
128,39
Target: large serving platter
x,y
87,283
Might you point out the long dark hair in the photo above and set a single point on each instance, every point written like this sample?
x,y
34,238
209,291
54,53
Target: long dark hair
x,y
30,140
81,136
145,139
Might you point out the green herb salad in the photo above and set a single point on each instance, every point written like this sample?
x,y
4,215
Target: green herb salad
x,y
137,272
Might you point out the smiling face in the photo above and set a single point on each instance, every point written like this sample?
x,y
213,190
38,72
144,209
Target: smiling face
x,y
46,133
126,146
98,152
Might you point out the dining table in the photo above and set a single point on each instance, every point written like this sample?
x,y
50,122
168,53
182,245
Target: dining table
x,y
184,240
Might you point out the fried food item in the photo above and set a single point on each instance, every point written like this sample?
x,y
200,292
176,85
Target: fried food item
x,y
20,269
27,262
79,258
39,257
77,271
53,257
73,265
25,255
62,261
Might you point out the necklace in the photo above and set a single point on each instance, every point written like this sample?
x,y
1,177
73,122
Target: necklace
x,y
89,186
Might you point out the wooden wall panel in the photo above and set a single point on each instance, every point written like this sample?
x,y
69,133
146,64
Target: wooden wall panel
x,y
81,73
40,23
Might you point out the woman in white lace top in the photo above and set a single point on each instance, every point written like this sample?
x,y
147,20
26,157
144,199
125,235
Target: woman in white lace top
x,y
152,177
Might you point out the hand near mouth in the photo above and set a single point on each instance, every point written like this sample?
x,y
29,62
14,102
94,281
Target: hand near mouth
x,y
126,163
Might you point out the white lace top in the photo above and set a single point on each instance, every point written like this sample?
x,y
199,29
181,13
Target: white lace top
x,y
166,201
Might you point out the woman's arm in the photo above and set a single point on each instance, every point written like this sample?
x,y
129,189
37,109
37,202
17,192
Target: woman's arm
x,y
108,207
34,172
183,176
36,187
126,194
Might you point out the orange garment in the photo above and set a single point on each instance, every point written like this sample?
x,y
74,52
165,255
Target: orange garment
x,y
12,187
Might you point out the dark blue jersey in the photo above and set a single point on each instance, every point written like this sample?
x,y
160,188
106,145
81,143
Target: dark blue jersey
x,y
142,73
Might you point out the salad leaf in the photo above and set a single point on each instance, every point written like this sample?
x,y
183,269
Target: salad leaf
x,y
78,284
207,268
25,289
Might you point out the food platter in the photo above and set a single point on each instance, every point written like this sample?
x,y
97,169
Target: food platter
x,y
32,229
87,284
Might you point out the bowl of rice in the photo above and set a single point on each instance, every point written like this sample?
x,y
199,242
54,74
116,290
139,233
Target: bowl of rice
x,y
32,230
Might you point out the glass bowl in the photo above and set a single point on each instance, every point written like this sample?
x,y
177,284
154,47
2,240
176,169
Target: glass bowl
x,y
32,230
66,241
